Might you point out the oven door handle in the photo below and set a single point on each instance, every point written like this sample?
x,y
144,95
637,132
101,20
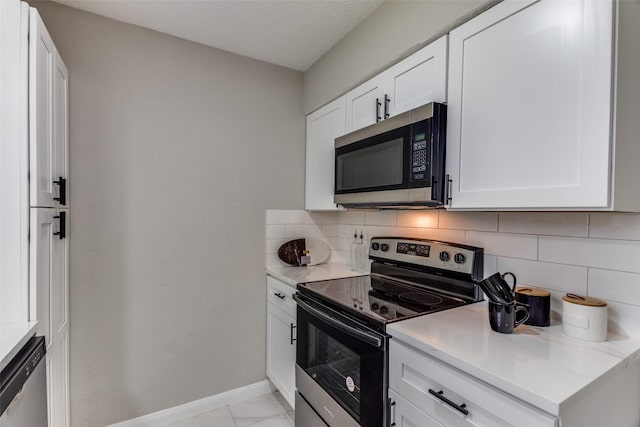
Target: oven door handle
x,y
354,332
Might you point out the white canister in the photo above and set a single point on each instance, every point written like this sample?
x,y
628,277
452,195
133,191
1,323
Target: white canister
x,y
584,318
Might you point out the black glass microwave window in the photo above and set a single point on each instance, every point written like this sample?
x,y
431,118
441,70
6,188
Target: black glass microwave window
x,y
376,166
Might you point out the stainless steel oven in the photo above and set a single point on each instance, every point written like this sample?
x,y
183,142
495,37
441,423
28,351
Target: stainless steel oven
x,y
395,163
341,367
341,351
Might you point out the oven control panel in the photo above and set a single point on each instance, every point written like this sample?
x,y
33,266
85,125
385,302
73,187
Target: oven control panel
x,y
429,253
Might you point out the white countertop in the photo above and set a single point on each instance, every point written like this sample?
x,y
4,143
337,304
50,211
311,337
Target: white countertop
x,y
12,338
541,366
295,275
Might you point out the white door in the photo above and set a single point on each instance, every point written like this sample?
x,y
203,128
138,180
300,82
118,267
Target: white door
x,y
281,351
49,292
58,382
365,104
323,127
529,106
418,79
48,95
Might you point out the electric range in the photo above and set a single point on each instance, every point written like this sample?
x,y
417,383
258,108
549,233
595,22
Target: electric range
x,y
341,352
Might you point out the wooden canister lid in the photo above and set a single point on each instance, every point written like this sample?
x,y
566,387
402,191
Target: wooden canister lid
x,y
582,300
531,291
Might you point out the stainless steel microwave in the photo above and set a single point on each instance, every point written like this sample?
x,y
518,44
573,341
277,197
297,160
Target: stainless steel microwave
x,y
395,163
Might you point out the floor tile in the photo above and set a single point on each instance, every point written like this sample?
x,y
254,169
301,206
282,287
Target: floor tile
x,y
281,420
252,411
219,418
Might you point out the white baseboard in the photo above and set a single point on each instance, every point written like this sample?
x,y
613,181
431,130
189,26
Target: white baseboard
x,y
199,406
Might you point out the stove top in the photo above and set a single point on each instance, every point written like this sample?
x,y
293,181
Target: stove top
x,y
408,278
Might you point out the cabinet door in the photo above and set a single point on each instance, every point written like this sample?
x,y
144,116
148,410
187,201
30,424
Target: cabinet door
x,y
529,106
49,291
58,382
419,79
48,94
365,104
281,351
404,414
323,127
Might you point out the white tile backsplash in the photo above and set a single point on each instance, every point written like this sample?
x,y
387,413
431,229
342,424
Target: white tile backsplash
x,y
275,231
455,236
623,255
585,253
614,286
623,318
563,278
615,226
295,231
351,217
514,245
490,265
551,223
476,221
330,230
386,218
417,219
321,217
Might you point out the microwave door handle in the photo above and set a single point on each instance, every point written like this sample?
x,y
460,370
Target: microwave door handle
x,y
350,330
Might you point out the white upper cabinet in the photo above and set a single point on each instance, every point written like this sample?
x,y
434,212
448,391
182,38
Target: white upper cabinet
x,y
530,107
48,129
323,127
417,80
365,104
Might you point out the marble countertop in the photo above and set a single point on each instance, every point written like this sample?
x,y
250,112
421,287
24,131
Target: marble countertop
x,y
295,275
541,366
12,338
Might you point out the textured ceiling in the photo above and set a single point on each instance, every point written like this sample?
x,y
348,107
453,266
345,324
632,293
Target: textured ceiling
x,y
291,33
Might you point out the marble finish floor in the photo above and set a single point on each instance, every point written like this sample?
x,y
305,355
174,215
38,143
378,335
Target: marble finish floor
x,y
268,410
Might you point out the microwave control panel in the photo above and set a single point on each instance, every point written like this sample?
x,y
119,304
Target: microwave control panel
x,y
420,153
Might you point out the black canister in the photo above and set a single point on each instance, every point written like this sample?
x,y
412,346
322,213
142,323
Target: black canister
x,y
539,303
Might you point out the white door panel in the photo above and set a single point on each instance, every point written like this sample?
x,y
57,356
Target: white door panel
x,y
529,106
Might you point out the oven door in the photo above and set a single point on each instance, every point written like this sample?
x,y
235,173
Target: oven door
x,y
341,366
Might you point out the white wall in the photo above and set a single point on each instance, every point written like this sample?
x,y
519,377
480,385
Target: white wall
x,y
176,150
585,253
392,32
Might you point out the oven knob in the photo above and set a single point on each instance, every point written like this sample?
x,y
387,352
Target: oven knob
x,y
374,306
384,309
444,256
459,258
384,247
375,246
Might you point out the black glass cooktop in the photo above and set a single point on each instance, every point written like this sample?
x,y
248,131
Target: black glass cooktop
x,y
379,299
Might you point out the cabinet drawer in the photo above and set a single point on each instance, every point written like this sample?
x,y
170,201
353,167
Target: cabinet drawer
x,y
418,378
404,414
281,295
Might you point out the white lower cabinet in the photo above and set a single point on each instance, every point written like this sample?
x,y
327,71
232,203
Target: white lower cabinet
x,y
281,338
58,382
404,414
451,398
49,290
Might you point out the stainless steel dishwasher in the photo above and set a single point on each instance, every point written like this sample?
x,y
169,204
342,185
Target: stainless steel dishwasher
x,y
23,388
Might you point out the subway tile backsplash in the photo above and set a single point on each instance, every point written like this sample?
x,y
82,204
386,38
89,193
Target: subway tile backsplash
x,y
595,253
